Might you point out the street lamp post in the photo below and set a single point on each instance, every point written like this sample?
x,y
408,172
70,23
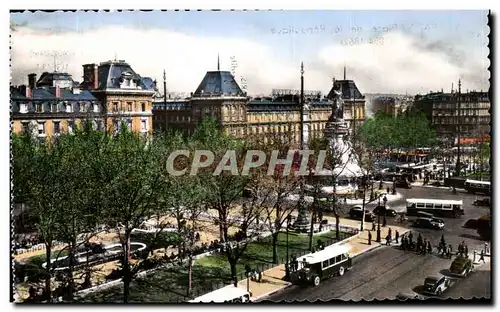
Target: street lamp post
x,y
385,212
378,222
287,266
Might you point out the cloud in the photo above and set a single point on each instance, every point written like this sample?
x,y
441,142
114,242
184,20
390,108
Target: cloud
x,y
401,64
404,63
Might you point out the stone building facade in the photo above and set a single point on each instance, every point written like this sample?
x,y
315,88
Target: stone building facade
x,y
52,105
125,95
448,111
220,97
110,94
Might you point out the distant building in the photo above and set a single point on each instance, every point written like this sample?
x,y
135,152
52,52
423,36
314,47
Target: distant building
x,y
392,105
220,97
442,109
52,105
126,96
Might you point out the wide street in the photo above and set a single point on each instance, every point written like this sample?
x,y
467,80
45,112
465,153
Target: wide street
x,y
387,271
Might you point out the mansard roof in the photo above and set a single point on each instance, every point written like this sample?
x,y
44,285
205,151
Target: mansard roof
x,y
47,79
218,83
349,90
112,72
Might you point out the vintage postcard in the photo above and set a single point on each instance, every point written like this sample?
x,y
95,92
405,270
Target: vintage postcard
x,y
250,156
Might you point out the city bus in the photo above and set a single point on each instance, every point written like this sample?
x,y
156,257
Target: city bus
x,y
333,260
229,293
437,207
475,186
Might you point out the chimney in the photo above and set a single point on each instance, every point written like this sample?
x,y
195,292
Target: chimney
x,y
28,92
90,76
32,81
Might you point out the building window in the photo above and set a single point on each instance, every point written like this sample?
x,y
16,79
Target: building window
x,y
96,108
57,127
129,124
23,108
143,107
115,107
41,128
129,106
77,107
26,127
144,125
71,126
39,107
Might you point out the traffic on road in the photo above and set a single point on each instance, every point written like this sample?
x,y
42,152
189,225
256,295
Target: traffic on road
x,y
438,268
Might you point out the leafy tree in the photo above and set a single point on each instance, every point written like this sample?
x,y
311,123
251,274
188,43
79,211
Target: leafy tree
x,y
79,218
133,192
224,189
36,181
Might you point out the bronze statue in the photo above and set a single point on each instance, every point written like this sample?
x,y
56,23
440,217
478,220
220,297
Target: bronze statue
x,y
338,104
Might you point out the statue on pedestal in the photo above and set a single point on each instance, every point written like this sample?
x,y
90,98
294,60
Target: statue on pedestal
x,y
338,105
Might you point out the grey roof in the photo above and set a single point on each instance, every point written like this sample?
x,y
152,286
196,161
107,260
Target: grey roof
x,y
50,94
111,72
47,79
349,90
82,96
218,83
15,94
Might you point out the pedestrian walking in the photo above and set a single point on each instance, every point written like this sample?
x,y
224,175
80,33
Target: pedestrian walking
x,y
424,246
390,232
450,251
397,237
442,242
373,226
481,256
387,240
369,238
429,247
403,243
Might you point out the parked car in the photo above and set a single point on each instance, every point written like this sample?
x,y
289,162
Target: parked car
x,y
462,266
436,285
356,213
428,223
483,202
402,183
379,211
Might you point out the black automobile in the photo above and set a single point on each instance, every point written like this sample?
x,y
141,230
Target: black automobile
x,y
436,285
356,213
428,223
402,183
482,202
379,211
461,266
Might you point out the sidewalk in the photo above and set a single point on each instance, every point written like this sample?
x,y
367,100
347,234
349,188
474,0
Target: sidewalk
x,y
357,244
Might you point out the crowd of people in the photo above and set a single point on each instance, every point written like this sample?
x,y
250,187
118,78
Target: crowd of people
x,y
25,242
